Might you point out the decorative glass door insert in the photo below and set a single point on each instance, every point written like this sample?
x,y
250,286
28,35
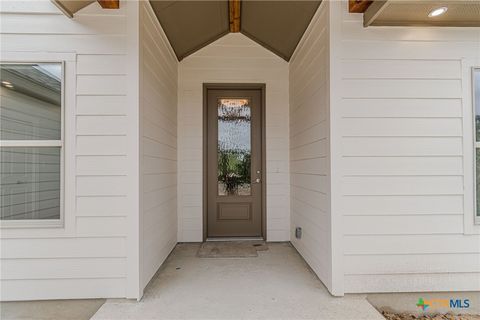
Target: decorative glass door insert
x,y
234,147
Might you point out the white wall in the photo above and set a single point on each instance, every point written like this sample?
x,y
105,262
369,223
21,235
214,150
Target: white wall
x,y
310,146
232,59
158,144
88,257
402,101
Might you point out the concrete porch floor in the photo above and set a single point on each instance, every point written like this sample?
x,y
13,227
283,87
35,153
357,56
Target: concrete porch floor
x,y
275,285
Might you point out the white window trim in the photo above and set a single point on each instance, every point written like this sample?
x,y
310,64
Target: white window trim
x,y
476,218
470,226
43,223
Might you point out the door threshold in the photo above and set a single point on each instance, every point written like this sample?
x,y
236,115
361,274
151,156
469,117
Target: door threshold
x,y
235,239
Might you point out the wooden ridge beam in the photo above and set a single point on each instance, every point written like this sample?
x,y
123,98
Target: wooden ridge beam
x,y
234,15
109,4
358,6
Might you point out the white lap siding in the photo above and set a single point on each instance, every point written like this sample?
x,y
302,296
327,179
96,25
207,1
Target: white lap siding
x,y
310,147
158,145
401,103
88,257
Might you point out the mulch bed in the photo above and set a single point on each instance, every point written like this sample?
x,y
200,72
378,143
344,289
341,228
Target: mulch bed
x,y
406,316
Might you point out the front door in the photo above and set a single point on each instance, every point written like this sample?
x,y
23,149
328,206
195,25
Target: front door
x,y
234,163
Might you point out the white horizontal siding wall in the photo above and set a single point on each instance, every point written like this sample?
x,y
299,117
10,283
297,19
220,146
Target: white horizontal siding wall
x,y
310,146
402,100
89,256
232,59
158,144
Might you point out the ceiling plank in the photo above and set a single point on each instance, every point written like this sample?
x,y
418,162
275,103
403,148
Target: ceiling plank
x,y
374,11
66,11
70,7
358,6
109,4
234,15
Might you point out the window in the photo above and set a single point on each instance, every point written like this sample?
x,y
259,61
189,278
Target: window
x,y
476,103
31,142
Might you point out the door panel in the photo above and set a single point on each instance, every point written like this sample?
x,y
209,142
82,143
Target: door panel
x,y
234,163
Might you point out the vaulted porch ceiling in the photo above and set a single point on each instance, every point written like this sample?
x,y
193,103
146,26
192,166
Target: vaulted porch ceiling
x,y
276,25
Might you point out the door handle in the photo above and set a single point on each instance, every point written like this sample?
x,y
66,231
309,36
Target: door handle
x,y
257,180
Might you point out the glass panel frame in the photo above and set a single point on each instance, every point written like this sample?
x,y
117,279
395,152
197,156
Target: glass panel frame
x,y
234,165
42,143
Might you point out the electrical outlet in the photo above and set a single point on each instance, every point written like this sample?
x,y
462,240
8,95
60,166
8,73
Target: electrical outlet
x,y
298,232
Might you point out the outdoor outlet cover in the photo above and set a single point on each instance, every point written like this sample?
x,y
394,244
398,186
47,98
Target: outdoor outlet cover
x,y
298,232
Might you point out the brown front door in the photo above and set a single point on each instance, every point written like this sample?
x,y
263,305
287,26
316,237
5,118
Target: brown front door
x,y
234,163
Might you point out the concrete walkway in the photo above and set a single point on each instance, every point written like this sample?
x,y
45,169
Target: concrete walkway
x,y
275,285
50,309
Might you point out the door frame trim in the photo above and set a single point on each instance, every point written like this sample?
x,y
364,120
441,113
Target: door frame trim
x,y
235,86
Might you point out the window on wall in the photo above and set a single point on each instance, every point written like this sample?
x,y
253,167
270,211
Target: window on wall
x,y
476,102
31,142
